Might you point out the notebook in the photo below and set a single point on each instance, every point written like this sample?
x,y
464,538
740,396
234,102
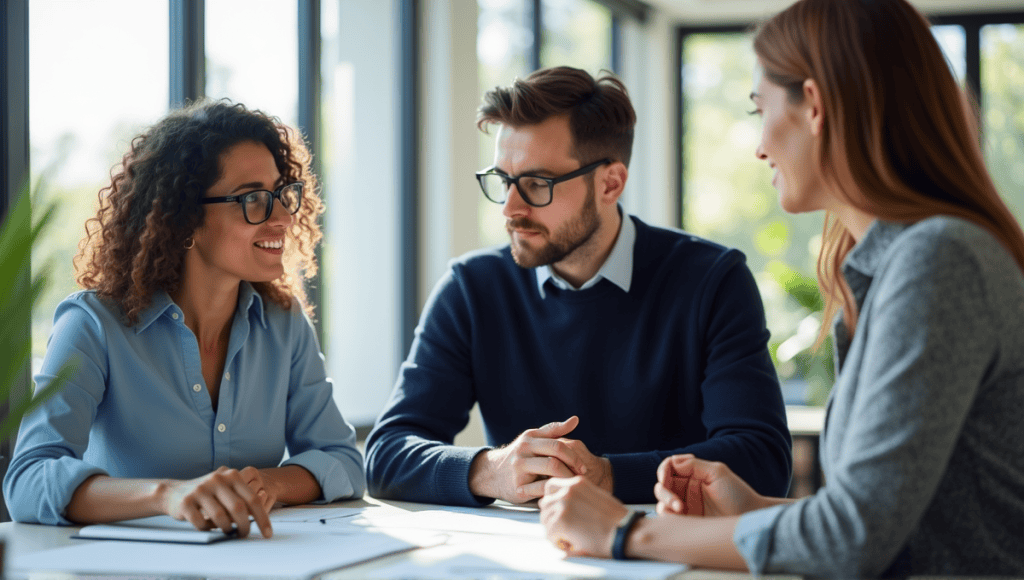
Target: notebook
x,y
153,529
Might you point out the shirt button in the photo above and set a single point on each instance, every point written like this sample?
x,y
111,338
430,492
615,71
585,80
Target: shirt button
x,y
174,315
227,376
222,427
197,388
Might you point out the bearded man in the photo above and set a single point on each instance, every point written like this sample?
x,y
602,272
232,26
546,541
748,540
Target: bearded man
x,y
596,345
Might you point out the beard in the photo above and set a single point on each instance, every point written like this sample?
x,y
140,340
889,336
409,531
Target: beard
x,y
566,239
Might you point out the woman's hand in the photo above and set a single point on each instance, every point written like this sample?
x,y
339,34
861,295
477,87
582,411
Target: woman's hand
x,y
691,486
580,517
261,485
222,499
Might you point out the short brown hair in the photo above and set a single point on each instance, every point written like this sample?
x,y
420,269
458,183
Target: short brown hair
x,y
601,118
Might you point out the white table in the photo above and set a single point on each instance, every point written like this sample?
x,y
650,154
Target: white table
x,y
29,538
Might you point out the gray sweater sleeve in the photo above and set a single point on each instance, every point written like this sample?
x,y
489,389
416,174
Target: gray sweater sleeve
x,y
922,346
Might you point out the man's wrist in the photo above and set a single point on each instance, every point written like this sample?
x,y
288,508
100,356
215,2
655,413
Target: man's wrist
x,y
480,472
607,475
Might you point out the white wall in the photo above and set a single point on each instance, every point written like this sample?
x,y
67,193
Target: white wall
x,y
361,179
448,137
648,72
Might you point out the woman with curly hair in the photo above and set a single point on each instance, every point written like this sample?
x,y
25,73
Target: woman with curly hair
x,y
197,366
924,265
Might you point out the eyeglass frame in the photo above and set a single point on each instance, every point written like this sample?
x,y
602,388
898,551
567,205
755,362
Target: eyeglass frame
x,y
274,195
552,181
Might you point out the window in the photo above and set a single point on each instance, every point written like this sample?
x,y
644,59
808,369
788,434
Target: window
x,y
1002,91
97,79
726,191
576,33
729,199
504,42
252,55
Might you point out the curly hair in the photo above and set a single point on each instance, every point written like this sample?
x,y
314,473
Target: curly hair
x,y
135,245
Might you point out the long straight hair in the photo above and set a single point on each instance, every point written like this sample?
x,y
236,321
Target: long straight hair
x,y
900,139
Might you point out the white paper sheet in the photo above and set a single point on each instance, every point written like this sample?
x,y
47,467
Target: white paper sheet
x,y
512,559
499,521
286,555
314,514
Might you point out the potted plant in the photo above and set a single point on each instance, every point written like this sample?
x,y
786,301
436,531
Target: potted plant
x,y
18,291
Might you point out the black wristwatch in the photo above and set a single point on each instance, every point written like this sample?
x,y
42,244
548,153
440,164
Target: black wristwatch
x,y
622,532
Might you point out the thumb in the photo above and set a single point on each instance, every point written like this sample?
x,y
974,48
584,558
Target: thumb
x,y
559,428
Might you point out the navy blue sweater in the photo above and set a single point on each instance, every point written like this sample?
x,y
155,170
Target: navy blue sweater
x,y
679,364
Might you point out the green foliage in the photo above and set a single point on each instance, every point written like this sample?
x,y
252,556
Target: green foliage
x,y
813,365
801,288
729,199
18,292
1002,85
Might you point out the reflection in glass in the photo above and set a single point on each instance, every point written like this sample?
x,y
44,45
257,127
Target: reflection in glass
x,y
252,55
97,77
1002,89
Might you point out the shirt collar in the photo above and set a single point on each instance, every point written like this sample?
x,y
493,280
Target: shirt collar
x,y
248,300
866,256
617,268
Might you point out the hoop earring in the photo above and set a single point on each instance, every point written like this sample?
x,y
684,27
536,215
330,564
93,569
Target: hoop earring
x,y
190,243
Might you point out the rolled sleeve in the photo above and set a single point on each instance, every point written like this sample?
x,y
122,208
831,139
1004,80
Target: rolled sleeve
x,y
337,480
753,536
48,464
319,438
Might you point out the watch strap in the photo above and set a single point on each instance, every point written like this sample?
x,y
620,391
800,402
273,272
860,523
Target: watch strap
x,y
622,532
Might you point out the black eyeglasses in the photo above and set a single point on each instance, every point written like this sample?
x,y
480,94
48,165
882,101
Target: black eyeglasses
x,y
535,190
258,205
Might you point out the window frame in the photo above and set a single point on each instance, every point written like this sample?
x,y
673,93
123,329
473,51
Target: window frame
x,y
14,161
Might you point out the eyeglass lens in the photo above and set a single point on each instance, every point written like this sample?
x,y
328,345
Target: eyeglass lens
x,y
533,190
258,205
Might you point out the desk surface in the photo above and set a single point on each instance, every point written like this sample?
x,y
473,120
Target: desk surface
x,y
30,538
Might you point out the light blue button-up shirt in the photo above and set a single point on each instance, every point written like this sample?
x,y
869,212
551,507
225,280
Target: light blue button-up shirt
x,y
139,407
618,268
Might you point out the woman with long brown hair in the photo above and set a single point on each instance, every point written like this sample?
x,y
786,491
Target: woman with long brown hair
x,y
197,365
922,265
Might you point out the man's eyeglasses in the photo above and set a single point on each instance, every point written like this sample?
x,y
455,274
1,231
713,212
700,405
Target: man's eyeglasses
x,y
535,190
258,205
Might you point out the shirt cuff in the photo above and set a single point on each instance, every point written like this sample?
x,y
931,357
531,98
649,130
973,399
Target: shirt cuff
x,y
67,475
335,482
753,536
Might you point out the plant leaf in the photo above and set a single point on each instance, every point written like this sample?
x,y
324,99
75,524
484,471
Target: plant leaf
x,y
28,403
